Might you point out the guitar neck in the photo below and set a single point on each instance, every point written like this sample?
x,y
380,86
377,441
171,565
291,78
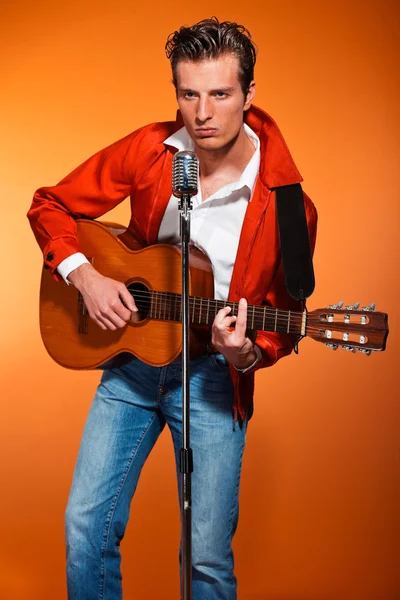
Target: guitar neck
x,y
166,306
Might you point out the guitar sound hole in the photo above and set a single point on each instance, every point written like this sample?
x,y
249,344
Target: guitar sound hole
x,y
141,296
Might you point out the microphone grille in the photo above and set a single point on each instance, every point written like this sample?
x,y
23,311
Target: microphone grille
x,y
185,173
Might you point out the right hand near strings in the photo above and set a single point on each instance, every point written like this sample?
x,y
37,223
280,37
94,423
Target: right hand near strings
x,y
108,302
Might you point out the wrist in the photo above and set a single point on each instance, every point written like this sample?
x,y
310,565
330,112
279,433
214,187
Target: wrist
x,y
252,359
79,275
246,360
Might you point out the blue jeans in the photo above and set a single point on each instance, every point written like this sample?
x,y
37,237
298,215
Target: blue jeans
x,y
131,407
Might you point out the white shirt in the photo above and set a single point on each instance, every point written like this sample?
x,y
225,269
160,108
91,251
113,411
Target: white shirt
x,y
216,222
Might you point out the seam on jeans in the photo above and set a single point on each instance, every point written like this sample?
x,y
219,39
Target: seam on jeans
x,y
115,502
235,508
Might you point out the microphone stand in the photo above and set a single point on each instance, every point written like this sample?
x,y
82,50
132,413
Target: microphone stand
x,y
186,455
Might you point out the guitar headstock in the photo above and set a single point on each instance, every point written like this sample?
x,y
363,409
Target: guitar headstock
x,y
349,328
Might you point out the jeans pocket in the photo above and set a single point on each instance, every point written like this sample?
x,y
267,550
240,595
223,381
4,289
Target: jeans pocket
x,y
218,361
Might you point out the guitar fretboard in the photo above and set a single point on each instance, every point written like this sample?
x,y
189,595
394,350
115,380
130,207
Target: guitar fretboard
x,y
166,306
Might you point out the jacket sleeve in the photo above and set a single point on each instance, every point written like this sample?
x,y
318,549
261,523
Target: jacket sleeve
x,y
92,189
276,345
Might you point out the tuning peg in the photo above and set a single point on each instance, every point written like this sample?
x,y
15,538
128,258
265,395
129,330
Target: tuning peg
x,y
353,306
365,351
370,308
349,348
337,306
332,345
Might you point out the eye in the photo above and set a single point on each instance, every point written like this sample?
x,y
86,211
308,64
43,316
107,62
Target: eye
x,y
220,94
189,94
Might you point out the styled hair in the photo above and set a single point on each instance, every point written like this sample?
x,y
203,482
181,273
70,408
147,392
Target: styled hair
x,y
211,39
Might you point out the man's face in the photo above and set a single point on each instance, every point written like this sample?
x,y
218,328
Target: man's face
x,y
211,100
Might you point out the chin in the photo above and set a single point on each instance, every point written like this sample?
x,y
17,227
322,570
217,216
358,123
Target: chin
x,y
211,143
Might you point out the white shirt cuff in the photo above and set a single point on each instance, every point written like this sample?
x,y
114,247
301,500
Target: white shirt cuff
x,y
69,264
254,363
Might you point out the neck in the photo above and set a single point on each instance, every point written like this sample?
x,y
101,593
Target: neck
x,y
233,157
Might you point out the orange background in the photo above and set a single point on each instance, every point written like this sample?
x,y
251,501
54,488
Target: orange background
x,y
320,492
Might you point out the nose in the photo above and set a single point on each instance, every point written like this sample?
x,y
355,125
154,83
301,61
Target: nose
x,y
204,109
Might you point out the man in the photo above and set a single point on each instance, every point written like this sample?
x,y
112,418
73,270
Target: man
x,y
242,157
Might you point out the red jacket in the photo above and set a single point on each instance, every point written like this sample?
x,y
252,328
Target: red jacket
x,y
140,166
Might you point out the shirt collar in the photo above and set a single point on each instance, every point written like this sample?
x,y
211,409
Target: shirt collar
x,y
181,140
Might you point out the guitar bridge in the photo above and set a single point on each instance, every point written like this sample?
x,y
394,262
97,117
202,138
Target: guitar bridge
x,y
83,316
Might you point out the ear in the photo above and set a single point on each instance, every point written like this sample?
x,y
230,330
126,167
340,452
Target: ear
x,y
250,95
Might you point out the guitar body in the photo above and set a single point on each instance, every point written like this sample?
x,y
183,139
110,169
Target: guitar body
x,y
71,337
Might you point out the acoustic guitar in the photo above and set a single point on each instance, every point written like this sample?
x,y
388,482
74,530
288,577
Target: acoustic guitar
x,y
153,277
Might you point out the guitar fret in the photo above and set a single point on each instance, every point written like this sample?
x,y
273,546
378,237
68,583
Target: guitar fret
x,y
276,318
174,307
155,297
201,308
288,323
252,321
263,323
193,309
208,310
157,303
169,308
151,305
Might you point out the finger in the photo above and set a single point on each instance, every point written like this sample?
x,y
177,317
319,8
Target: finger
x,y
241,321
110,316
116,306
226,324
127,298
108,325
221,332
104,323
121,311
221,314
100,324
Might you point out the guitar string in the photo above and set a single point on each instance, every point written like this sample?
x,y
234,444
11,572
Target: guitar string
x,y
168,307
169,298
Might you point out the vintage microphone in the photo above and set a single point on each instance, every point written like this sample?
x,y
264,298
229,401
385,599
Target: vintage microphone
x,y
185,174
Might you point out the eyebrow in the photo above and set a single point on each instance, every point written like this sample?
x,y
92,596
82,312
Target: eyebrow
x,y
219,89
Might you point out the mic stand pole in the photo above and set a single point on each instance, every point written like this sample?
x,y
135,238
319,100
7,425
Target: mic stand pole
x,y
186,455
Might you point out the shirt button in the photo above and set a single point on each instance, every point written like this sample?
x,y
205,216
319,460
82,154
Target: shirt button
x,y
50,256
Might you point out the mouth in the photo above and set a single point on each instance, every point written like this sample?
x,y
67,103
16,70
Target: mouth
x,y
205,131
